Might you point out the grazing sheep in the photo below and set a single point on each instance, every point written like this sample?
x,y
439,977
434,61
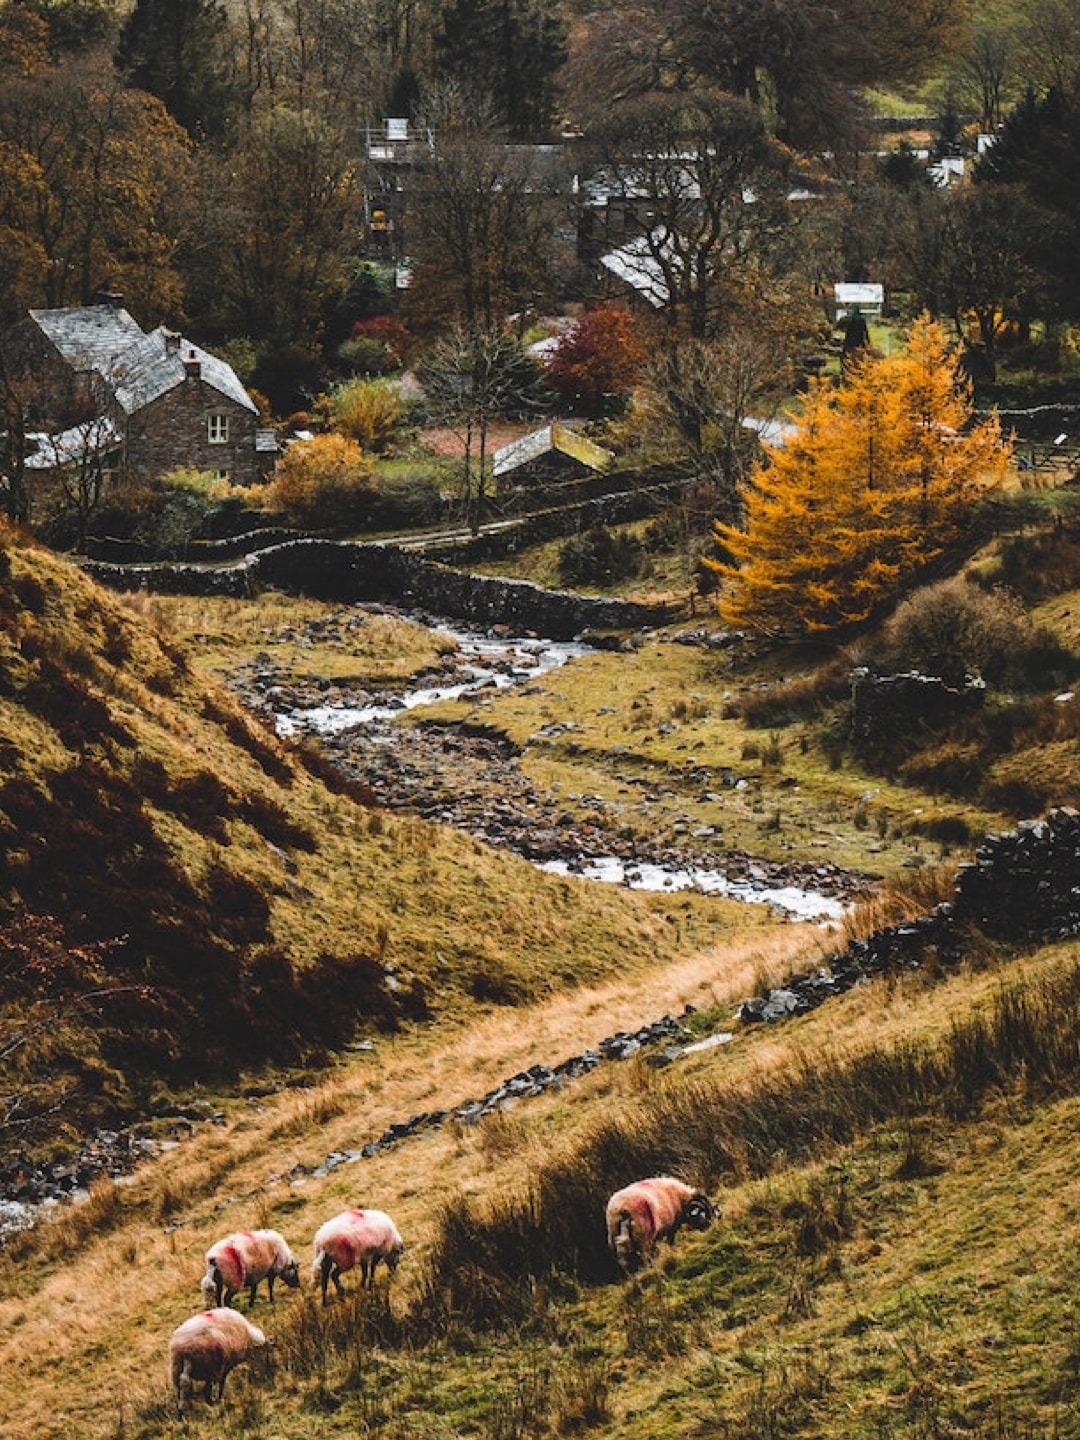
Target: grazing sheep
x,y
648,1211
243,1259
205,1348
355,1237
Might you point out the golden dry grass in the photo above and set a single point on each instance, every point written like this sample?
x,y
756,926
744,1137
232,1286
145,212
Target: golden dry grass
x,y
70,1325
83,1308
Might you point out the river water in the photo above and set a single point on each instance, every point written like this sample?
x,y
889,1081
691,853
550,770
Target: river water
x,y
486,662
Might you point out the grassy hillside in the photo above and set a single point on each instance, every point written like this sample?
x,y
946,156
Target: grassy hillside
x,y
896,1170
183,896
896,1173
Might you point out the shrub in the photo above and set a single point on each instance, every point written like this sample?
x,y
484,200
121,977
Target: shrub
x,y
955,629
599,557
407,500
1038,566
375,346
805,697
324,482
288,377
597,360
367,411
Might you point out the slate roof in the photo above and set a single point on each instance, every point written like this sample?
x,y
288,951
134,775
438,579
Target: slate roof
x,y
553,437
148,370
92,337
637,266
89,437
139,368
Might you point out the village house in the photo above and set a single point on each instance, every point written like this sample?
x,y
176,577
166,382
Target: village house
x,y
553,453
148,404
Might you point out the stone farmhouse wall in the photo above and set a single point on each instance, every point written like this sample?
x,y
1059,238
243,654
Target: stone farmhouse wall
x,y
56,394
177,425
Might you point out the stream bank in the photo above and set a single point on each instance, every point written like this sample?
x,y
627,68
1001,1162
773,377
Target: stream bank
x,y
472,779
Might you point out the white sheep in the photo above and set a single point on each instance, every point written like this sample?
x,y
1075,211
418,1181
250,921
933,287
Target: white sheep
x,y
243,1259
648,1211
355,1237
205,1348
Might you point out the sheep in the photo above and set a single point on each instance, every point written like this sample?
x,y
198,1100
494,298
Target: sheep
x,y
243,1259
355,1237
648,1211
206,1347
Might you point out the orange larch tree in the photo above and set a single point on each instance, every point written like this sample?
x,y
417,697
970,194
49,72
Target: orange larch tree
x,y
876,482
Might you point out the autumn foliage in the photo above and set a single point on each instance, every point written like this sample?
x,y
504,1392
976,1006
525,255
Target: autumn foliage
x,y
321,482
876,482
597,361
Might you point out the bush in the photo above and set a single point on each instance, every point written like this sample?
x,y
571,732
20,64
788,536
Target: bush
x,y
376,346
1038,566
367,411
288,377
407,500
323,483
599,557
955,629
179,509
597,360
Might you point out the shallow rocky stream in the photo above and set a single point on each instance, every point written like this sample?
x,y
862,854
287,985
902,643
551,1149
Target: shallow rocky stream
x,y
474,782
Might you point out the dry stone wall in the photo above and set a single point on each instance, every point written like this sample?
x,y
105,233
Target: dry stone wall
x,y
352,572
1022,886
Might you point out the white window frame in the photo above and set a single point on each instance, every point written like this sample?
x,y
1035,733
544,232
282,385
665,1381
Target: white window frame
x,y
217,427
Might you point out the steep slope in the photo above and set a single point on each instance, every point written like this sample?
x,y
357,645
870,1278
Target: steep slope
x,y
183,895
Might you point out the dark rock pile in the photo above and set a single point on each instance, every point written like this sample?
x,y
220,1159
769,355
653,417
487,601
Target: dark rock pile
x,y
1021,886
30,1188
885,707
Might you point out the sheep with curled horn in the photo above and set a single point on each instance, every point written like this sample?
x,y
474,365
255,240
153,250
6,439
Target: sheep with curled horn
x,y
642,1214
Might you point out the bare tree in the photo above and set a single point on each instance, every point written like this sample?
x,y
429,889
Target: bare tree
x,y
16,397
1047,46
983,74
79,463
470,377
712,190
484,218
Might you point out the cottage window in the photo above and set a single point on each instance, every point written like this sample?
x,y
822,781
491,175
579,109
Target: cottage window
x,y
217,428
221,474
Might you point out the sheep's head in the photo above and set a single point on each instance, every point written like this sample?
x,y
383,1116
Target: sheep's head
x,y
291,1273
698,1212
208,1286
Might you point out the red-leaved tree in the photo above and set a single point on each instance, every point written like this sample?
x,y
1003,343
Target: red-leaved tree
x,y
597,361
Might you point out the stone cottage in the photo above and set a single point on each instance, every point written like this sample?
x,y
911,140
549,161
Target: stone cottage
x,y
158,402
553,453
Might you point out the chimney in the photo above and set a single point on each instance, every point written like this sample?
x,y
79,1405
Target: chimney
x,y
112,298
192,366
172,342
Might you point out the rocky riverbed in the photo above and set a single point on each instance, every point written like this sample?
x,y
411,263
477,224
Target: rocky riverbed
x,y
473,781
